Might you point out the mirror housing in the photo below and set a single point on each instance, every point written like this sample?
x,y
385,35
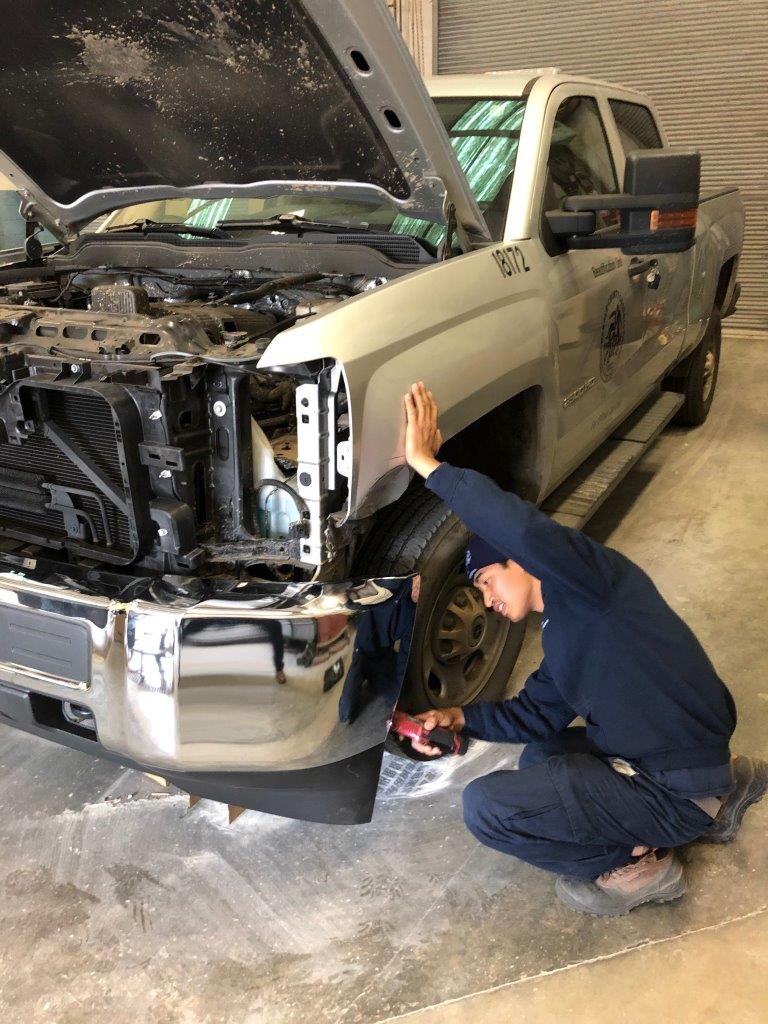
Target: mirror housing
x,y
657,208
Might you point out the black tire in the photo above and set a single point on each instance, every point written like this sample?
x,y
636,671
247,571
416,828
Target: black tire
x,y
696,377
421,534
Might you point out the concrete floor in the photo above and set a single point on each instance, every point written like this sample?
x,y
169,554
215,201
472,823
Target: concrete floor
x,y
118,905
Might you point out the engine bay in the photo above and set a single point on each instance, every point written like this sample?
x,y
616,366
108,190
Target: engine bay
x,y
136,429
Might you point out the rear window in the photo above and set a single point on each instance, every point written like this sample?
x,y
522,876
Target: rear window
x,y
636,125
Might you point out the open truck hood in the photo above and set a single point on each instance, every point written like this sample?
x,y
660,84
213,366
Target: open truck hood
x,y
104,104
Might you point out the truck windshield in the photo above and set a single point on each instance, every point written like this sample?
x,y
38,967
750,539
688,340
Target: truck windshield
x,y
484,133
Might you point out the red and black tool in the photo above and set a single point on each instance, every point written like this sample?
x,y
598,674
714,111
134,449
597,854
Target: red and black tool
x,y
413,729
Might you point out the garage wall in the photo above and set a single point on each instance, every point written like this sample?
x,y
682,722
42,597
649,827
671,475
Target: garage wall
x,y
417,20
704,62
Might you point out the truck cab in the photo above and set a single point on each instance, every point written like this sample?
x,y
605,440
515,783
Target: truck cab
x,y
618,321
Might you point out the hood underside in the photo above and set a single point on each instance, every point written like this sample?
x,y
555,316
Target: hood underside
x,y
104,104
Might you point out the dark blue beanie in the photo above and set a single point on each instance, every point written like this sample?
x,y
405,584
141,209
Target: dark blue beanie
x,y
480,554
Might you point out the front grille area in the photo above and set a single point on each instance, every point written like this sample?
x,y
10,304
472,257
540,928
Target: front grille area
x,y
46,497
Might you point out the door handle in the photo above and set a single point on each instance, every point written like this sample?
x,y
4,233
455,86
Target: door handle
x,y
638,266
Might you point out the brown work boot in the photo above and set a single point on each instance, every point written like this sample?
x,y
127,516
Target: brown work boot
x,y
655,878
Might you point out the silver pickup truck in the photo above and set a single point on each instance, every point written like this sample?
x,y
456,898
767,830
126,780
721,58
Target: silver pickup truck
x,y
266,228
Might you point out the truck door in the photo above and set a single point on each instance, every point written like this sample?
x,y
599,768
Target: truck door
x,y
662,280
597,312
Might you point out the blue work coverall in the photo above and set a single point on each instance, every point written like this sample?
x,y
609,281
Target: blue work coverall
x,y
619,657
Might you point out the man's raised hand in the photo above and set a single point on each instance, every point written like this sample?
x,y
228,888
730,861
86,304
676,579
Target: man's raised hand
x,y
422,436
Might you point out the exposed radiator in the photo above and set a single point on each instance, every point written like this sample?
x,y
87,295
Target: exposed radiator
x,y
68,483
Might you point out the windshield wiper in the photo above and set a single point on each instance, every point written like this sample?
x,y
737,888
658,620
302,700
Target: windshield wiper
x,y
295,222
155,227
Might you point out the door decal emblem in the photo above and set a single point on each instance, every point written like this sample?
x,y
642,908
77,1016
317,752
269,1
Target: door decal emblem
x,y
612,336
606,267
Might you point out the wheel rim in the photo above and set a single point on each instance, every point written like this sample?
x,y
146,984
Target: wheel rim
x,y
465,640
710,363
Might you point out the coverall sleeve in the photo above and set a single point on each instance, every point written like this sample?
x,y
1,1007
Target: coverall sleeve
x,y
547,550
536,713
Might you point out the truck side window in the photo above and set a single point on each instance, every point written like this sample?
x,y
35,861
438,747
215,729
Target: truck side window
x,y
579,160
637,128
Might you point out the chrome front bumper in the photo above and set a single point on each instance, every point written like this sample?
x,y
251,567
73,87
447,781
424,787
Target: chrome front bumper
x,y
189,686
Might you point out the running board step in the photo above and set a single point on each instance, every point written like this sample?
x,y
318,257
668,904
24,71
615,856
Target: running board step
x,y
578,497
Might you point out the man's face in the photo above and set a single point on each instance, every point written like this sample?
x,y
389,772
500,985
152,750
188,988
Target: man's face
x,y
507,589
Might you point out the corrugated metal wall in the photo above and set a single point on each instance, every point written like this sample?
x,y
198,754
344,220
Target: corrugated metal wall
x,y
704,62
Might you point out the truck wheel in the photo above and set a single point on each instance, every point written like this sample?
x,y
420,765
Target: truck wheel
x,y
460,651
697,384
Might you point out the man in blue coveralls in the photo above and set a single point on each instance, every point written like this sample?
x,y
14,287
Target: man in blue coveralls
x,y
605,805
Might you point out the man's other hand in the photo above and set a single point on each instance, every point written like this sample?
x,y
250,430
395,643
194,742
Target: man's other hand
x,y
422,437
446,718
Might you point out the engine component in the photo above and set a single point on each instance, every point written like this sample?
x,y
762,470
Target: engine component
x,y
120,298
167,328
139,432
223,324
70,471
317,304
273,285
277,503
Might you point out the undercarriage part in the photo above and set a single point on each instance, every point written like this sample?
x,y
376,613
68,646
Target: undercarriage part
x,y
255,553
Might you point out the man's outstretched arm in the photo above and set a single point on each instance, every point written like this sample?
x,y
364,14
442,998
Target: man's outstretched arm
x,y
545,549
536,713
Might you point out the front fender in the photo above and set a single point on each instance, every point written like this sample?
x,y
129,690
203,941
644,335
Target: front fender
x,y
476,332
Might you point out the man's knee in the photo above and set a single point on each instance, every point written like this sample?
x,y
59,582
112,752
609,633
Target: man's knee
x,y
484,815
473,803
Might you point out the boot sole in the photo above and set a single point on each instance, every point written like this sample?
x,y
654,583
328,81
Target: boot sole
x,y
672,891
754,794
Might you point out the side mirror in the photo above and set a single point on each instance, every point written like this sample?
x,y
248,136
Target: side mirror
x,y
657,208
